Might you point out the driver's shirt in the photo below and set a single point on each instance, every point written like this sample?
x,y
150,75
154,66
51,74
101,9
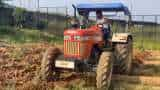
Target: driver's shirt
x,y
103,22
100,21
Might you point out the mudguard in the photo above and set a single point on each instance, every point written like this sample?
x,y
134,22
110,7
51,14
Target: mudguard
x,y
120,37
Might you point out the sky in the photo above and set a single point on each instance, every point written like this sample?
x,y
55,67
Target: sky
x,y
137,7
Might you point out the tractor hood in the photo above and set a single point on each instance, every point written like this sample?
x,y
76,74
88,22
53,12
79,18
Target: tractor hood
x,y
79,32
83,32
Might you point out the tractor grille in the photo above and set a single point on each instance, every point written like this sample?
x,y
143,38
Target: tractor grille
x,y
72,48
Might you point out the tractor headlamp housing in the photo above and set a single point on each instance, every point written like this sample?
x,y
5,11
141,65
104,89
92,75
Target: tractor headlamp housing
x,y
81,38
67,37
77,37
84,38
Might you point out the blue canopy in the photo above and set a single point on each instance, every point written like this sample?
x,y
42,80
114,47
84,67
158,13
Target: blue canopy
x,y
110,7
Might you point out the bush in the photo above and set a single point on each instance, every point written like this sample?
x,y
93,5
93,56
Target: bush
x,y
19,16
42,24
7,30
56,28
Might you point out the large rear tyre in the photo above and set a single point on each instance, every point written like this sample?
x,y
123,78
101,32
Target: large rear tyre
x,y
104,71
47,72
123,57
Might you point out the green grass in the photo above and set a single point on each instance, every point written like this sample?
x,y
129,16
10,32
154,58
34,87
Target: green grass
x,y
13,35
147,44
147,37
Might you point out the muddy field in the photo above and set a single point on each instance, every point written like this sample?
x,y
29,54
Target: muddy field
x,y
20,64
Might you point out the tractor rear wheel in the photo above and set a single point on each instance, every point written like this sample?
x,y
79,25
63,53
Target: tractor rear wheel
x,y
104,71
47,71
123,57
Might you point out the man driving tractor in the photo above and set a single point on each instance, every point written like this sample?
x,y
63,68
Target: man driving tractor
x,y
101,21
104,23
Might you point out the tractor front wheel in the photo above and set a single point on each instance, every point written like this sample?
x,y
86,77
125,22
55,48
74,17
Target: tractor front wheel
x,y
47,72
104,71
123,55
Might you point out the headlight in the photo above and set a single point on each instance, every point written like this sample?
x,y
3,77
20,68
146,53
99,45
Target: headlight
x,y
77,38
85,38
82,38
67,37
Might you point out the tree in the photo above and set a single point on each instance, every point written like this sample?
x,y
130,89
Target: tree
x,y
19,16
0,2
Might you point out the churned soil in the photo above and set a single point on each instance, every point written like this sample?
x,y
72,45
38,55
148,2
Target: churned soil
x,y
20,64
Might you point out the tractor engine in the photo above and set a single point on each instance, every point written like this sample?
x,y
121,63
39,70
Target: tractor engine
x,y
78,43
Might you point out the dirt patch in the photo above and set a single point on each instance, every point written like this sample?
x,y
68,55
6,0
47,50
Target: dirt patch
x,y
141,56
144,63
20,64
146,80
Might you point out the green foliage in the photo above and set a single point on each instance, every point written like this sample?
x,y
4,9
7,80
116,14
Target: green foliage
x,y
145,37
5,14
42,24
19,16
56,28
13,35
6,30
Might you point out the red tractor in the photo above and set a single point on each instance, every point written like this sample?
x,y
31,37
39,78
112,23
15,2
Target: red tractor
x,y
86,49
